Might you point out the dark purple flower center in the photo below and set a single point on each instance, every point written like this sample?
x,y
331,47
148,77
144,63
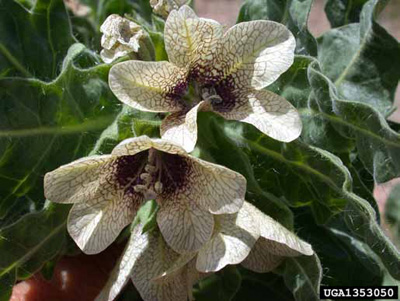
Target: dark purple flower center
x,y
205,85
150,173
175,172
127,170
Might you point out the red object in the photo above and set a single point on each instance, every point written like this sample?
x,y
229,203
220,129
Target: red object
x,y
75,278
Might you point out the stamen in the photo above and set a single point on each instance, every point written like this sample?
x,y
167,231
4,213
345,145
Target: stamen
x,y
146,177
150,168
209,94
151,185
140,188
158,187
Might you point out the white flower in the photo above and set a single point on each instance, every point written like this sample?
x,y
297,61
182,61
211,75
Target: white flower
x,y
108,190
145,257
227,71
164,7
251,238
248,237
120,37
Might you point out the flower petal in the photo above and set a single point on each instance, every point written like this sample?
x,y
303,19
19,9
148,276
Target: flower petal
x,y
256,53
155,258
231,244
120,37
215,187
176,267
185,226
260,260
281,241
135,145
132,146
76,181
96,223
148,86
271,114
123,269
190,40
164,7
181,127
185,265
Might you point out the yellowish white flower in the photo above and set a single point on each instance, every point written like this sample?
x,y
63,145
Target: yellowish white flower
x,y
251,238
120,37
107,191
248,237
227,70
164,7
145,257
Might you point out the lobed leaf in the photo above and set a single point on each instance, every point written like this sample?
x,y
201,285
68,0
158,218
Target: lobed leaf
x,y
44,125
392,213
34,42
363,60
292,13
26,245
343,12
303,277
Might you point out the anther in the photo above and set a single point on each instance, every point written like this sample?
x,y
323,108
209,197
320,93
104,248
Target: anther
x,y
146,177
140,188
158,187
150,168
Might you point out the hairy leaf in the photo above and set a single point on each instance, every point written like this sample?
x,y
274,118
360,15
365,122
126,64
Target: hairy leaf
x,y
44,125
33,43
293,13
363,60
303,277
392,213
342,12
374,140
345,260
28,244
309,176
350,129
214,146
220,286
256,286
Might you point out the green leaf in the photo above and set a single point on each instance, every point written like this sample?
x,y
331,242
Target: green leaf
x,y
147,216
215,146
339,125
344,263
33,42
44,125
362,253
129,123
293,13
392,213
363,60
303,277
343,12
221,286
375,141
24,250
309,176
256,286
